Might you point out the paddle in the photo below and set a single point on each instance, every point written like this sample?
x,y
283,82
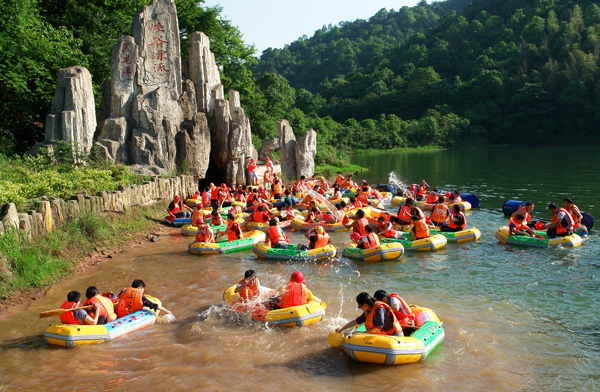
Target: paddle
x,y
58,312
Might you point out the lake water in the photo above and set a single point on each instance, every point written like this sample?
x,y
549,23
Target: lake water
x,y
515,318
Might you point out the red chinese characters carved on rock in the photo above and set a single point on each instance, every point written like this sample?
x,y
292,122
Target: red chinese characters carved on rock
x,y
158,41
127,70
157,27
159,55
160,68
126,59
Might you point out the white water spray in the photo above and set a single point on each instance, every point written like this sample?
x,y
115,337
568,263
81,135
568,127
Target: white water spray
x,y
394,180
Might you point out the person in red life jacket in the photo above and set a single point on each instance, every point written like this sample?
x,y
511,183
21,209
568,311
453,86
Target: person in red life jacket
x,y
197,214
267,179
355,203
456,222
317,238
404,213
219,197
369,240
296,293
79,316
252,172
249,287
562,222
176,208
277,189
233,230
432,197
440,212
363,196
212,187
216,219
386,229
102,305
400,307
420,229
259,215
269,165
197,196
339,180
455,198
348,184
275,236
132,299
206,196
573,210
205,233
526,212
517,226
262,193
358,226
377,316
421,190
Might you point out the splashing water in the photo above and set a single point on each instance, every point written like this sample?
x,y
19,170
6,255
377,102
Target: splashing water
x,y
394,180
167,318
323,200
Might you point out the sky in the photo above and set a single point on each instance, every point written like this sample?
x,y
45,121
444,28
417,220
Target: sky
x,y
275,23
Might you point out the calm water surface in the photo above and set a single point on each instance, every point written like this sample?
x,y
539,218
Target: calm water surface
x,y
515,318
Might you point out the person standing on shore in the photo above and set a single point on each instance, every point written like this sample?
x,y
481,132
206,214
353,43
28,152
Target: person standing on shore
x,y
252,172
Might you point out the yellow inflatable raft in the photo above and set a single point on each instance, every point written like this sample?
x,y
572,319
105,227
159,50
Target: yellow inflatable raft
x,y
291,253
297,316
225,246
571,241
432,243
383,252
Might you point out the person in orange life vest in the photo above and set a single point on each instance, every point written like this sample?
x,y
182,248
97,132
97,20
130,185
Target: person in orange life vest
x,y
239,196
336,193
358,226
363,196
317,238
455,198
432,197
399,306
132,299
348,184
79,316
176,208
219,197
102,305
205,233
197,196
339,179
335,218
269,165
197,214
456,222
440,212
377,316
369,240
562,222
267,179
216,219
260,215
404,213
573,210
420,229
277,189
250,287
324,184
517,226
275,236
233,230
422,190
526,212
206,196
386,229
296,293
311,216
252,172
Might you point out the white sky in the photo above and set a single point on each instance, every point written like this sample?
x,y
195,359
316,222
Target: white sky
x,y
274,23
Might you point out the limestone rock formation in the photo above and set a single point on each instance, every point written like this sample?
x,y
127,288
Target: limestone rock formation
x,y
203,72
306,149
267,147
287,149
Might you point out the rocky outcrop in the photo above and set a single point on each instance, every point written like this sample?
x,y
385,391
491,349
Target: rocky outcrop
x,y
203,72
306,150
287,149
267,147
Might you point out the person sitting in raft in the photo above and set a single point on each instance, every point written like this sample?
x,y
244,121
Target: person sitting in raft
x,y
197,214
79,316
420,229
422,190
288,201
197,196
399,306
526,212
317,238
562,222
275,236
573,210
335,218
324,184
363,196
239,196
233,231
355,203
176,208
277,190
216,219
440,212
252,172
404,213
432,197
132,299
206,196
339,180
259,215
377,316
456,222
370,240
311,216
205,233
296,293
455,198
249,287
263,193
235,210
336,193
102,305
517,226
386,229
358,226
348,184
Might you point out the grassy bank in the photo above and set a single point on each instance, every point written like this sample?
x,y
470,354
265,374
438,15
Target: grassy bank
x,y
393,150
26,266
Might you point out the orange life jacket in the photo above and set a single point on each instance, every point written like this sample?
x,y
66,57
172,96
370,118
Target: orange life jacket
x,y
560,229
276,235
295,295
324,185
430,196
369,319
372,241
571,212
267,176
518,226
205,235
454,225
525,214
69,317
362,223
236,210
421,229
439,213
363,198
216,220
276,188
106,307
195,215
407,317
258,216
405,214
336,195
206,198
357,204
216,194
252,292
322,241
130,301
251,166
422,191
347,184
178,206
339,180
235,233
419,211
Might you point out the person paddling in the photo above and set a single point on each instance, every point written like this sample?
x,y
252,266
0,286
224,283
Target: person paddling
x,y
132,299
377,316
79,316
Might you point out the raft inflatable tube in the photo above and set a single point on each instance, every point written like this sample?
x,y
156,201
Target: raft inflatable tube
x,y
432,243
472,234
352,213
336,201
387,197
571,241
398,201
300,225
383,252
386,188
192,203
177,222
225,246
292,253
510,206
264,226
396,350
193,230
464,205
297,316
69,335
277,203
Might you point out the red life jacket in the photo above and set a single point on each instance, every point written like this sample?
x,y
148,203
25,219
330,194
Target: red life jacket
x,y
454,225
422,191
560,229
439,213
69,317
178,205
405,214
574,216
391,233
276,235
206,198
362,223
216,220
518,226
525,214
406,318
106,307
362,197
295,295
235,233
216,194
372,241
421,229
339,180
369,319
252,292
258,216
322,241
357,204
130,301
251,167
205,235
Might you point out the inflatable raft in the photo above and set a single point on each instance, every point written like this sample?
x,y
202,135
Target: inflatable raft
x,y
68,335
193,230
292,253
297,316
511,206
383,252
192,203
301,225
398,201
177,222
226,246
464,206
571,241
394,350
434,242
472,234
264,226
